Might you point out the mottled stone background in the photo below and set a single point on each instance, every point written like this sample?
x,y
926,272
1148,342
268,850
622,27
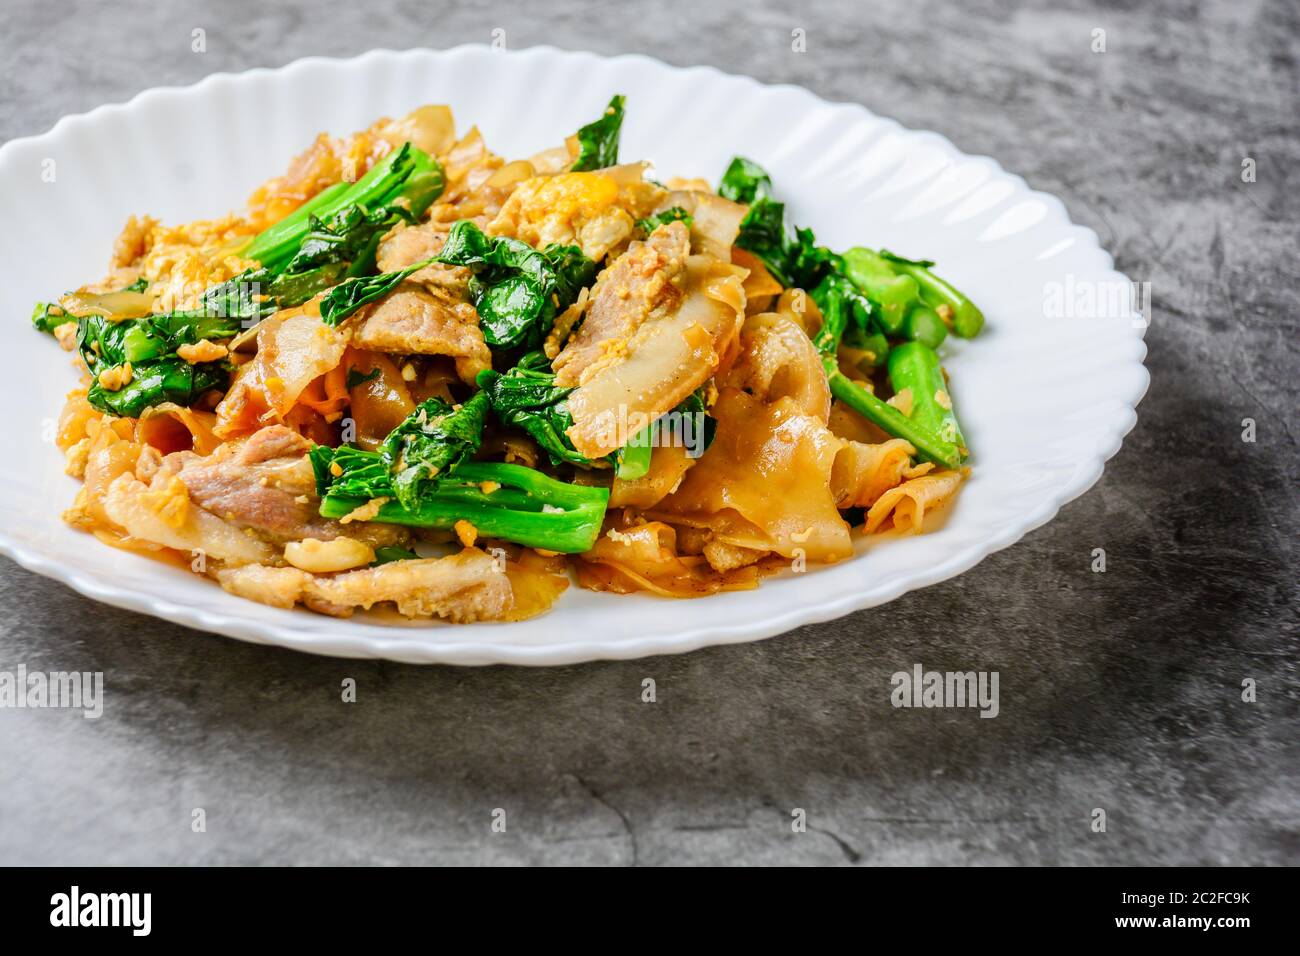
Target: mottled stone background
x,y
1119,690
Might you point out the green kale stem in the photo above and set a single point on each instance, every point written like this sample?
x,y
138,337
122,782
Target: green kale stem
x,y
915,366
967,319
927,444
407,173
891,294
529,508
633,459
837,304
280,238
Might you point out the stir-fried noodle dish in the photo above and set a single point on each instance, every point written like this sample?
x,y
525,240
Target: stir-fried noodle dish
x,y
417,375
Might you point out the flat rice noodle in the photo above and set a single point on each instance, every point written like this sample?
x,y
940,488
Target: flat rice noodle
x,y
550,161
170,427
761,288
293,348
312,425
161,513
379,404
844,422
764,483
668,464
112,452
327,395
431,128
802,308
862,473
467,165
488,198
715,222
436,381
644,558
908,504
777,360
463,587
536,582
75,419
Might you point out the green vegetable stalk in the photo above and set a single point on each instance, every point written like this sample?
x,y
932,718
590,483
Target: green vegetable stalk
x,y
329,238
632,461
48,316
407,173
528,508
526,397
866,299
967,320
281,237
915,366
413,459
422,466
927,444
838,309
893,295
911,301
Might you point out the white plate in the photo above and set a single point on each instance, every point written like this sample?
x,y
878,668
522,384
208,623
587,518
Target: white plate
x,y
1043,401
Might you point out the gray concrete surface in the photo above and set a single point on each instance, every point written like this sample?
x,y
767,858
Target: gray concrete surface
x,y
1119,691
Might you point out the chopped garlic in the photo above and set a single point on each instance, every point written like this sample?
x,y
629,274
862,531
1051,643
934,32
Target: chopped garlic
x,y
367,512
466,532
116,378
66,335
202,351
323,557
903,401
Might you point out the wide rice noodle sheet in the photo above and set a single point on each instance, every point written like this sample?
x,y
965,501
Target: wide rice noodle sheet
x,y
863,473
715,222
777,359
644,557
379,402
908,504
294,347
764,483
668,463
170,427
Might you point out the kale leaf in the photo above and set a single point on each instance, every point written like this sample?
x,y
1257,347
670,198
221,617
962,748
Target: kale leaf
x,y
516,289
793,258
527,398
598,140
671,214
745,181
430,441
413,459
407,177
153,383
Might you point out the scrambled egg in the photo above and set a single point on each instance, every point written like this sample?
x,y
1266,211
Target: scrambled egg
x,y
591,210
181,262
